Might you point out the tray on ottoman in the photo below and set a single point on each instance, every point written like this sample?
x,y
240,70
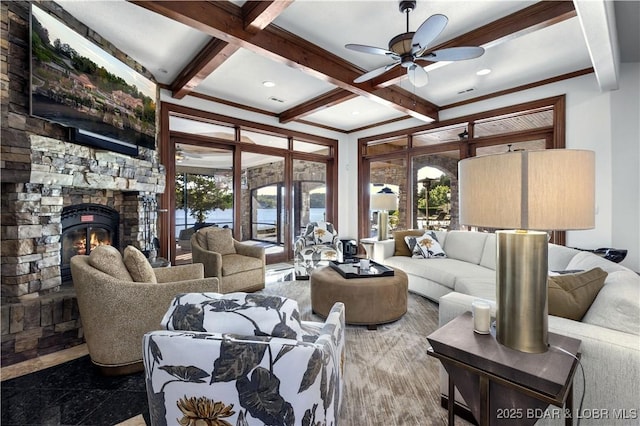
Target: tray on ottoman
x,y
352,270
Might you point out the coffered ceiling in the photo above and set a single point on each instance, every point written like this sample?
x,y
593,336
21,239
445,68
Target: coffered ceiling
x,y
225,51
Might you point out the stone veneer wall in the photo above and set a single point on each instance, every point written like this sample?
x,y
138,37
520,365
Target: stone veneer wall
x,y
41,173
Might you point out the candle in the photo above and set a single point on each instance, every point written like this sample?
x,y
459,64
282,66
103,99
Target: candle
x,y
481,316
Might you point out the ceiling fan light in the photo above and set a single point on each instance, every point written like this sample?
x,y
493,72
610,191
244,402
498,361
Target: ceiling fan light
x,y
401,44
417,75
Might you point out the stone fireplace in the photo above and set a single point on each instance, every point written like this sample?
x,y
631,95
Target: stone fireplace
x,y
76,197
42,175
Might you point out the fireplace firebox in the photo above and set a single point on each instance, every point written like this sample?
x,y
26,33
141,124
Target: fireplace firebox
x,y
84,227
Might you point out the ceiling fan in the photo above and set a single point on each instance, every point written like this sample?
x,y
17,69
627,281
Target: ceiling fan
x,y
407,48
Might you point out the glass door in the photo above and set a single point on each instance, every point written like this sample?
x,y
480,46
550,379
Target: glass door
x,y
263,200
203,193
309,194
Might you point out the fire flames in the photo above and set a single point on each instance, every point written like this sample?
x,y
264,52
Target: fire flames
x,y
97,237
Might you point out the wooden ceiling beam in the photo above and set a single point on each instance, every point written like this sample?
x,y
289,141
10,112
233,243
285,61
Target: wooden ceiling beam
x,y
326,100
525,21
256,16
225,21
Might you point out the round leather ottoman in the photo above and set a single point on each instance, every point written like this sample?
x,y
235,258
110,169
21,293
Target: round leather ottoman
x,y
367,301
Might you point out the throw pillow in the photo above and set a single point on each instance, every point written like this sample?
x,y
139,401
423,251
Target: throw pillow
x,y
411,241
400,241
139,268
427,246
571,295
220,240
109,260
246,314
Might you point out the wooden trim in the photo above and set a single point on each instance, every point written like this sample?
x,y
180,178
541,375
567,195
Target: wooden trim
x,y
167,154
258,14
232,104
320,126
191,112
224,21
466,148
326,100
214,54
468,118
380,123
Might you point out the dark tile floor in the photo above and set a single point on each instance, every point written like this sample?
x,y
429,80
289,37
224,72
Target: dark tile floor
x,y
73,393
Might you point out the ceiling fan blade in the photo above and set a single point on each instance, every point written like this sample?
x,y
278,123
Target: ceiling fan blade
x,y
370,49
428,31
417,75
374,73
454,54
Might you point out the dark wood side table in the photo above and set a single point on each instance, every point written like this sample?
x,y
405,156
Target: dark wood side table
x,y
501,385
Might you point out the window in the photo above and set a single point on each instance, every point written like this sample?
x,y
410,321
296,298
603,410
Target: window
x,y
428,191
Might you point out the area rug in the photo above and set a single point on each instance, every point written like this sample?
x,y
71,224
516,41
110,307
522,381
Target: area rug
x,y
389,378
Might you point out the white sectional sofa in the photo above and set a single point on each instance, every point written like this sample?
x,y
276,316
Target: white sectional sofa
x,y
609,331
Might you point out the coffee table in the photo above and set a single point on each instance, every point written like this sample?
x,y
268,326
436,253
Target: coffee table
x,y
368,301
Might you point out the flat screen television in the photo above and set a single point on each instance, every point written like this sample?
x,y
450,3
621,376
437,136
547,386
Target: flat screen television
x,y
77,84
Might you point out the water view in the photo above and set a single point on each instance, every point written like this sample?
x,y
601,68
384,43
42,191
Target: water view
x,y
266,218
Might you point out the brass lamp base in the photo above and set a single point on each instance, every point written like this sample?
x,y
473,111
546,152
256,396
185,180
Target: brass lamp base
x,y
383,225
521,290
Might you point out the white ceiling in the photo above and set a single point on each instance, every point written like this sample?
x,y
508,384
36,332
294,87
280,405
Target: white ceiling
x,y
165,47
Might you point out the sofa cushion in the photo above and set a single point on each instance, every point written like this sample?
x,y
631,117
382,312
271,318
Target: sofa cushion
x,y
488,259
246,314
109,260
571,295
234,263
585,260
483,287
617,306
425,246
220,240
466,246
401,245
138,266
201,237
560,256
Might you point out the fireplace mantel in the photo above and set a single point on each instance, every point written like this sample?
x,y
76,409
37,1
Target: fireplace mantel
x,y
65,164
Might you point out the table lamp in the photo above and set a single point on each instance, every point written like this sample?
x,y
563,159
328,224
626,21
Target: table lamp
x,y
383,201
533,192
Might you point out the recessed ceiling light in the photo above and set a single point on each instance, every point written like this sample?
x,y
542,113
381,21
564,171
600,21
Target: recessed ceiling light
x,y
484,71
268,83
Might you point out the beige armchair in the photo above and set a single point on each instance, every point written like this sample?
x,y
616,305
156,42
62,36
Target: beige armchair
x,y
239,266
116,310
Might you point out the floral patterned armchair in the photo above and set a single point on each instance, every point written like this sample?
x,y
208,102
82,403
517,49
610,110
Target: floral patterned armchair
x,y
317,246
271,368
